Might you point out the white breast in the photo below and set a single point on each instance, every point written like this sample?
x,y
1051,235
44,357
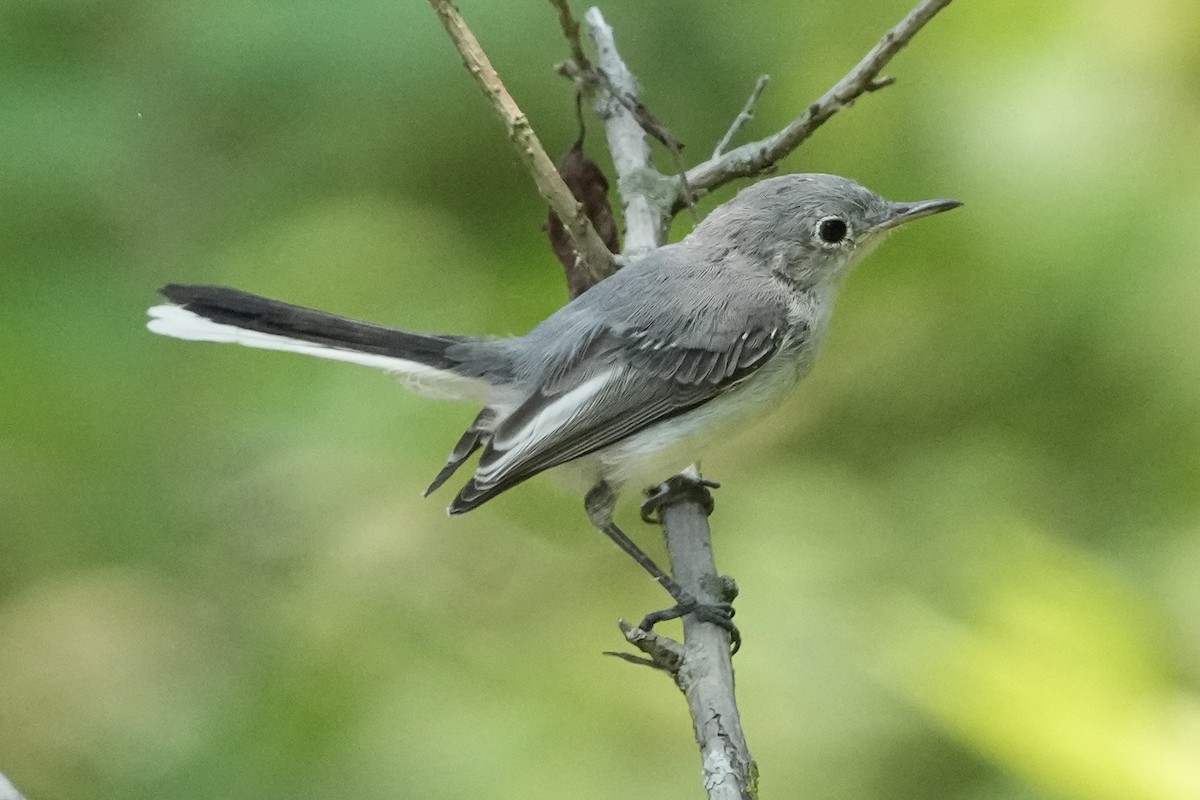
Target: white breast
x,y
669,446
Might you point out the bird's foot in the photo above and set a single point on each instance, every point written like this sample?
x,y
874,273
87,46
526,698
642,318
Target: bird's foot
x,y
719,614
677,489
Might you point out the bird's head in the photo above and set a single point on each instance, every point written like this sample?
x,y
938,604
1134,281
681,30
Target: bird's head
x,y
810,227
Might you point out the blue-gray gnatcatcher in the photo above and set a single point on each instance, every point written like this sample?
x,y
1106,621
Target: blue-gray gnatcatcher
x,y
635,371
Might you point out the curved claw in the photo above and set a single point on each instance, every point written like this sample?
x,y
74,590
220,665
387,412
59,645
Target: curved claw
x,y
675,489
719,614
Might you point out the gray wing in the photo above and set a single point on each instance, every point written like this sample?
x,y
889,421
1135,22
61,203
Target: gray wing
x,y
618,383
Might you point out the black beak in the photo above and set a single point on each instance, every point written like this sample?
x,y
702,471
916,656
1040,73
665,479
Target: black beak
x,y
907,212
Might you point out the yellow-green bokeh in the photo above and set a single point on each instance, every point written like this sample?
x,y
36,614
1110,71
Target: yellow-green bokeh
x,y
969,545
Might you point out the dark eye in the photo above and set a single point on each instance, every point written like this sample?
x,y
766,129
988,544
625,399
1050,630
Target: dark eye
x,y
832,230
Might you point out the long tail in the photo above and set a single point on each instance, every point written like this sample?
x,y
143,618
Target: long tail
x,y
442,365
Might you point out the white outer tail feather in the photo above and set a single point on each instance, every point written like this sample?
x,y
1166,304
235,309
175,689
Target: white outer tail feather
x,y
178,322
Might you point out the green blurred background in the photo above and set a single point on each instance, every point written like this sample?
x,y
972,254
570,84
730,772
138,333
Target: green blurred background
x,y
969,545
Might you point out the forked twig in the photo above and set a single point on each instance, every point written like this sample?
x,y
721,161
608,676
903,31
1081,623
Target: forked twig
x,y
701,666
756,157
744,116
588,245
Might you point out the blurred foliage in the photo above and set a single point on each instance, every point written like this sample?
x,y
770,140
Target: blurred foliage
x,y
969,545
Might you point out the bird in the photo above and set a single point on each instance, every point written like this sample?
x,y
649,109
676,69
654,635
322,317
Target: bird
x,y
633,374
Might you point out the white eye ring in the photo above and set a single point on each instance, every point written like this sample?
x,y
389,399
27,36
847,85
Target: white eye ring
x,y
832,231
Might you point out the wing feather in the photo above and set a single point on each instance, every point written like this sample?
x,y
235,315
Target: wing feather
x,y
646,379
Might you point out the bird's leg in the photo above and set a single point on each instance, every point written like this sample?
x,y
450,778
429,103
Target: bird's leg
x,y
690,486
600,502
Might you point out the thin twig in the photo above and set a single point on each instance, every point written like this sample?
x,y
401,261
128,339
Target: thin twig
x,y
570,29
597,80
587,243
580,69
594,77
666,654
657,129
754,158
650,123
744,116
689,196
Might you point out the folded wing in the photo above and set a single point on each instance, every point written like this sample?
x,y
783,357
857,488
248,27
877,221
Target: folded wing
x,y
621,383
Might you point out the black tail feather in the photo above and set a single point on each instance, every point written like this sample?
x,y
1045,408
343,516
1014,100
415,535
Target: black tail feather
x,y
252,312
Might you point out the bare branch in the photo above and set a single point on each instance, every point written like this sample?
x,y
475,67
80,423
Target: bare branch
x,y
665,654
688,195
637,181
701,666
705,673
653,126
744,116
754,158
599,262
645,117
594,78
580,69
570,29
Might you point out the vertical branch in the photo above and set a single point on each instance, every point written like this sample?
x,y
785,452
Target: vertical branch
x,y
646,220
702,667
706,671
